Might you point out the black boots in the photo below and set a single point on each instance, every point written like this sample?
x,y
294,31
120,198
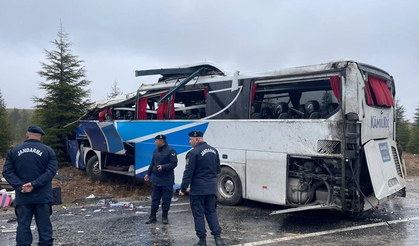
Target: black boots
x,y
152,218
202,242
218,240
165,220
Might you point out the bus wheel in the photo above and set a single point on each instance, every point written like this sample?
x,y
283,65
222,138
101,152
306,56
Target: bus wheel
x,y
229,187
94,171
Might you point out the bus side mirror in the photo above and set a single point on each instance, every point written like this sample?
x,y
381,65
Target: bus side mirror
x,y
352,116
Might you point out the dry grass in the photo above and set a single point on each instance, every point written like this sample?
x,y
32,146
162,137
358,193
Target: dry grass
x,y
81,186
412,164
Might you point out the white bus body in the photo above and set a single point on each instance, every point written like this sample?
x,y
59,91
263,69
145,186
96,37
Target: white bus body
x,y
309,137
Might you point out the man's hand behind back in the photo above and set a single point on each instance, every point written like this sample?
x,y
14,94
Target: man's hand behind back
x,y
27,188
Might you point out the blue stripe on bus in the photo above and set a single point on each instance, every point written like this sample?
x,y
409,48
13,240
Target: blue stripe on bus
x,y
178,140
134,129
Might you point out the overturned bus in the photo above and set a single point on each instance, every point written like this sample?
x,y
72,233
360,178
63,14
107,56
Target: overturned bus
x,y
311,137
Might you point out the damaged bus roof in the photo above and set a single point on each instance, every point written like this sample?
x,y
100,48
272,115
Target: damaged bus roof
x,y
171,78
114,101
210,69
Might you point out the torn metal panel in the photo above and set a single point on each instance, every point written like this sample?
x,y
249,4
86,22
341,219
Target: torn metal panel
x,y
115,101
208,68
306,208
385,178
103,137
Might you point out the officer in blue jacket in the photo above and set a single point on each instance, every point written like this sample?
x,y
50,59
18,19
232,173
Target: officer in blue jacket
x,y
162,167
29,168
202,167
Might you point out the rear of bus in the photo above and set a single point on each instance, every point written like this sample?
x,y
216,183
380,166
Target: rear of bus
x,y
371,116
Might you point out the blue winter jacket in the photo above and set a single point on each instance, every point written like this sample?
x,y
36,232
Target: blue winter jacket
x,y
32,161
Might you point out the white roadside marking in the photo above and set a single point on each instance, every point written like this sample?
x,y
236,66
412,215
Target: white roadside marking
x,y
314,234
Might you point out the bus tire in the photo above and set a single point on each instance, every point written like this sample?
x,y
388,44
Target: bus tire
x,y
229,187
94,171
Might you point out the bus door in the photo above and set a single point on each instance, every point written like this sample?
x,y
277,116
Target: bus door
x,y
103,137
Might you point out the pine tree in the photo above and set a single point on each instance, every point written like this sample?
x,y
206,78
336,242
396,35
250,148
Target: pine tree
x,y
416,117
14,117
402,128
400,113
66,99
6,136
115,91
413,146
22,125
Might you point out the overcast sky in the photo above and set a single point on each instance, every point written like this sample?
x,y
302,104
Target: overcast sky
x,y
115,38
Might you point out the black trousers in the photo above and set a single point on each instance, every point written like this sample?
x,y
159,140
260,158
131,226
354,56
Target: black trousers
x,y
24,214
205,206
165,193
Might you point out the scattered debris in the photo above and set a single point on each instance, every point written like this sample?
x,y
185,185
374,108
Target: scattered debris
x,y
14,230
121,205
8,230
5,198
91,196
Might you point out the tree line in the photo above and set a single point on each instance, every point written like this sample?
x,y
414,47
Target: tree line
x,y
407,134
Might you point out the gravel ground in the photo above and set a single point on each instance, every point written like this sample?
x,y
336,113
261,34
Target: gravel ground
x,y
242,225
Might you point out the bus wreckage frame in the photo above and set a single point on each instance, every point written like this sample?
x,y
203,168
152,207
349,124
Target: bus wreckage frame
x,y
312,137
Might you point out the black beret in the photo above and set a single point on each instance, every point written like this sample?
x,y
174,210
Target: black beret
x,y
36,129
196,134
160,136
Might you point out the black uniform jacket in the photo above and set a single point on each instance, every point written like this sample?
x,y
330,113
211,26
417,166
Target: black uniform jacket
x,y
202,167
167,158
32,161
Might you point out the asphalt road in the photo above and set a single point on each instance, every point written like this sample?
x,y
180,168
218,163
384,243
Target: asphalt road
x,y
248,224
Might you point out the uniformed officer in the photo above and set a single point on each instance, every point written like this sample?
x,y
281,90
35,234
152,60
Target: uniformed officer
x,y
29,168
202,167
162,167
